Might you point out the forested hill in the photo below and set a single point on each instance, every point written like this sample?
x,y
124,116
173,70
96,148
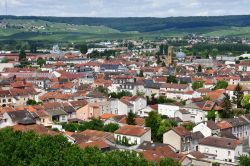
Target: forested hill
x,y
148,24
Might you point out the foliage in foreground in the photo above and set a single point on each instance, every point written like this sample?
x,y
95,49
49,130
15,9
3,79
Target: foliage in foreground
x,y
22,149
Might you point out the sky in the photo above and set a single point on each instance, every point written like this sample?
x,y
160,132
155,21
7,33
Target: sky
x,y
124,8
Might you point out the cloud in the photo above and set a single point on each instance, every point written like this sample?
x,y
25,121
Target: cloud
x,y
125,8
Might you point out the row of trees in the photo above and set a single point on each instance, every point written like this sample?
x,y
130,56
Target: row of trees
x,y
17,148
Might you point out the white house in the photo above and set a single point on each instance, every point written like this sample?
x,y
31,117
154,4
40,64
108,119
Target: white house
x,y
184,115
168,110
135,135
221,148
208,128
120,107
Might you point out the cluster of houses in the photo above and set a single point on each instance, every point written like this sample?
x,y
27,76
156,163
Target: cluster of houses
x,y
76,89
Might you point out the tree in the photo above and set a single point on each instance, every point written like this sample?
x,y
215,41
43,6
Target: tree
x,y
153,121
111,127
222,84
22,56
5,60
158,59
165,125
238,96
40,61
199,68
227,106
102,89
33,48
83,48
171,79
245,102
189,126
141,73
120,94
131,118
211,115
31,102
130,45
244,160
169,162
197,85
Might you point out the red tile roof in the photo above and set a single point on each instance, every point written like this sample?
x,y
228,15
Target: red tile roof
x,y
132,130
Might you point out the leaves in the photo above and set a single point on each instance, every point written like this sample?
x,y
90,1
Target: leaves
x,y
222,84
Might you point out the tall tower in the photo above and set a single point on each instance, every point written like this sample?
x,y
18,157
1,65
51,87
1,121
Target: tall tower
x,y
170,56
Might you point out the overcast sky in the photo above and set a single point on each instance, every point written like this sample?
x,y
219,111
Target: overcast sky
x,y
125,8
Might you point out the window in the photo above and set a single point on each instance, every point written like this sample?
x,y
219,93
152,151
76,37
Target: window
x,y
229,153
4,100
9,100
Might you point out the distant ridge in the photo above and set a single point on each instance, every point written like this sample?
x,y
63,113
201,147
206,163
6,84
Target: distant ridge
x,y
148,24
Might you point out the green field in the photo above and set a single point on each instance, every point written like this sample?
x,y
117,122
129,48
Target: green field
x,y
70,32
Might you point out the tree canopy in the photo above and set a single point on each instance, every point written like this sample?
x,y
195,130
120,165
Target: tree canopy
x,y
222,84
22,55
131,118
197,85
171,79
83,48
28,148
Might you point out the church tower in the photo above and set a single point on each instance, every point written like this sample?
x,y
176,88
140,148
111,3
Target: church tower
x,y
170,56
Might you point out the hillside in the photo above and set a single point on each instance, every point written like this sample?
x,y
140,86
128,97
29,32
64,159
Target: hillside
x,y
84,28
148,24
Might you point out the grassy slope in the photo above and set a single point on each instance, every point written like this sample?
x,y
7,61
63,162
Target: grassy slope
x,y
69,32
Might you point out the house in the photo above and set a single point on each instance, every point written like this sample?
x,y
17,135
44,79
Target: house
x,y
244,66
85,110
184,115
133,88
220,148
58,115
156,154
152,88
119,80
134,134
17,117
144,112
44,118
100,144
112,68
168,87
5,98
208,128
168,109
120,107
138,102
238,126
182,95
88,136
199,110
179,138
21,96
39,129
